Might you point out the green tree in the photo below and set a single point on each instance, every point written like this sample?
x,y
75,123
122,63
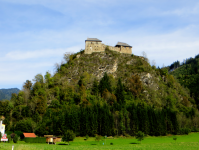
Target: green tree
x,y
48,80
39,78
41,105
68,136
95,87
105,84
27,84
135,85
140,136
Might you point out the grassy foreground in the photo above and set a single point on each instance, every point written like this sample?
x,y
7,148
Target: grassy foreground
x,y
188,142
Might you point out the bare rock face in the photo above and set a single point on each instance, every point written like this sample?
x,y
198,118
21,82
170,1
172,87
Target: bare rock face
x,y
147,79
114,68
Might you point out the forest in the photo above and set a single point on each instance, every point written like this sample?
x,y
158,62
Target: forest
x,y
107,106
188,76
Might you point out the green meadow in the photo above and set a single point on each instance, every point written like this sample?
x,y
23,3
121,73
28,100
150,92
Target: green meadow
x,y
188,142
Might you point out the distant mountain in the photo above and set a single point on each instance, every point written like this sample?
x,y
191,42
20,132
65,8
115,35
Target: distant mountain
x,y
7,93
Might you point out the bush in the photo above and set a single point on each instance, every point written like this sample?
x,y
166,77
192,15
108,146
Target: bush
x,y
15,139
175,138
194,129
98,138
9,138
87,137
140,136
20,134
68,136
185,131
9,132
12,135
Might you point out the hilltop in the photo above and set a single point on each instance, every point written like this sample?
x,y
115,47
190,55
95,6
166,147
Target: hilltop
x,y
157,84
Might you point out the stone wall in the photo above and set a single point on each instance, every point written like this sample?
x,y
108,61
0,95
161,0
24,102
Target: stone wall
x,y
91,47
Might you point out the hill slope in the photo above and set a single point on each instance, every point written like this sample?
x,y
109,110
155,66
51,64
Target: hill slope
x,y
188,76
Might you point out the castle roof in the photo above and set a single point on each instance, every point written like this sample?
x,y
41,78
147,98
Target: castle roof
x,y
122,44
93,39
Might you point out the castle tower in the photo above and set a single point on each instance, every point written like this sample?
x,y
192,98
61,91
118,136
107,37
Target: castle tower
x,y
93,45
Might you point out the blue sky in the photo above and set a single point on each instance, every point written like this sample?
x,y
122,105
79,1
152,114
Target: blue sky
x,y
35,34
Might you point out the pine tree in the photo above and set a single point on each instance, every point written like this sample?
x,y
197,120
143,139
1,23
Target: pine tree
x,y
120,92
95,87
105,84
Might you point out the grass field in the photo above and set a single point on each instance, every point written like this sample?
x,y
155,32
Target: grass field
x,y
185,142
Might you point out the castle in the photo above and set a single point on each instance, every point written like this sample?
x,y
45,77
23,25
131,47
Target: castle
x,y
96,45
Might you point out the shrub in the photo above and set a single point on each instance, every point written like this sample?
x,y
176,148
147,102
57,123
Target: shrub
x,y
20,134
185,131
97,138
87,137
140,136
68,136
15,139
9,132
175,138
12,135
9,138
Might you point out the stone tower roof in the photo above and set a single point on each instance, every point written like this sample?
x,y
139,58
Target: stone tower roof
x,y
93,39
122,44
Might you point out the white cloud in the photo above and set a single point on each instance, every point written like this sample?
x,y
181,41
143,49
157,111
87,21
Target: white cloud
x,y
46,53
184,11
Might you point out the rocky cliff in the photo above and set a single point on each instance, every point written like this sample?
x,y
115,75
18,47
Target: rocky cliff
x,y
160,89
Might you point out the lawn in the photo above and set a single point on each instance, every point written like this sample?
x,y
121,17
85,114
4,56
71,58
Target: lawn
x,y
188,142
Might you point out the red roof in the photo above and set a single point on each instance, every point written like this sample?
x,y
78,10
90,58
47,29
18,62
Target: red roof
x,y
28,135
